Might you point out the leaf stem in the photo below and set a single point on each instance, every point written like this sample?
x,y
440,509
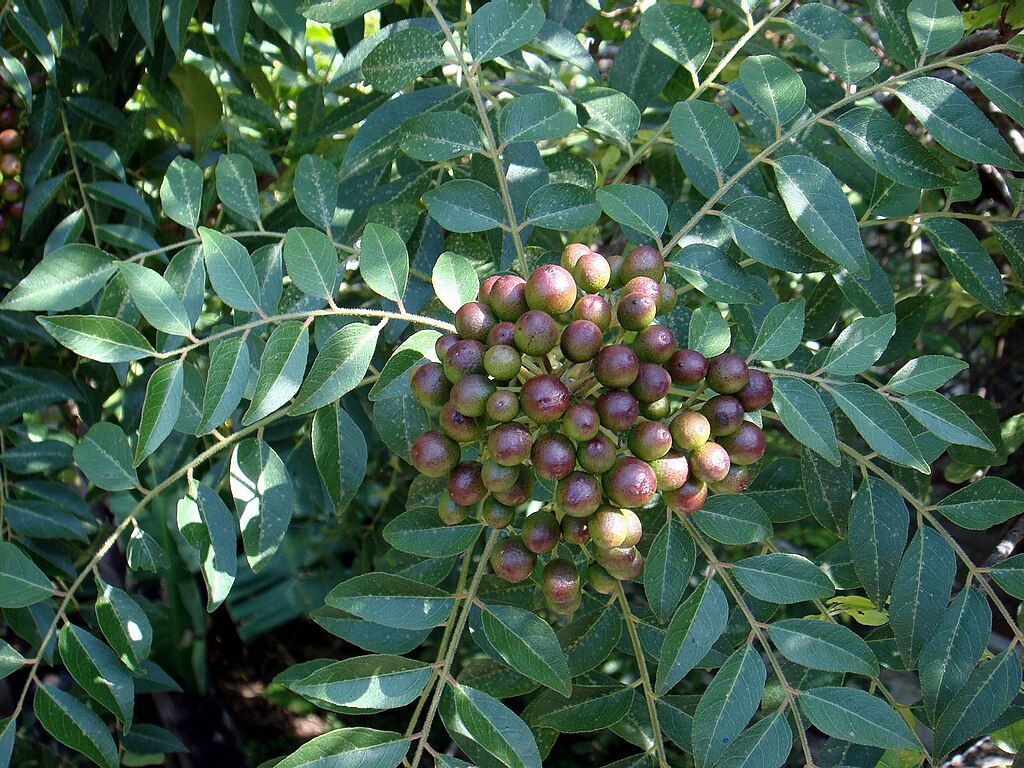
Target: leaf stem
x,y
78,175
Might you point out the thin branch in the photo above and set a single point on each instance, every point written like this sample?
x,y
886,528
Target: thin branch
x,y
78,175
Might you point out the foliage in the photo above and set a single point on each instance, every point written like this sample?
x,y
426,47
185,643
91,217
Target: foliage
x,y
246,222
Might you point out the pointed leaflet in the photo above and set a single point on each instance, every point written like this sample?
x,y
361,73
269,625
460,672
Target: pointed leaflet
x,y
955,123
465,205
936,25
454,280
925,373
338,368
420,532
968,261
851,60
879,424
412,352
231,272
21,582
782,578
349,748
890,16
945,419
66,278
694,628
384,261
668,567
73,724
804,414
950,656
1001,79
733,519
820,209
774,86
206,523
488,731
264,499
714,274
589,708
536,117
879,523
636,207
829,493
1009,574
105,339
857,716
920,592
160,408
678,31
106,458
401,58
316,190
590,638
312,261
144,554
236,186
339,450
764,231
727,704
860,345
819,644
703,133
393,601
358,684
563,206
501,26
225,382
181,192
124,624
766,744
983,504
436,136
156,300
528,645
781,331
98,670
281,367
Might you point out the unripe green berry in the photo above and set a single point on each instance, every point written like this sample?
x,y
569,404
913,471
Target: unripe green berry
x,y
672,470
502,362
592,272
495,514
690,430
450,512
600,580
649,440
502,406
581,422
470,393
497,477
596,456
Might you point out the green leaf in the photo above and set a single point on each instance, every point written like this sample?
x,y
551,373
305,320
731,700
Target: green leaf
x,y
981,505
945,419
384,261
820,209
236,186
733,519
10,661
176,16
920,592
339,450
851,60
264,499
528,645
589,708
879,523
501,26
857,716
708,333
781,331
409,354
805,416
282,365
590,639
96,337
21,582
338,368
936,24
181,192
393,601
702,132
999,77
890,17
636,207
144,553
925,373
225,382
311,260
536,117
401,58
782,578
119,195
667,569
817,644
66,278
231,270
420,532
125,626
562,206
728,703
40,198
694,628
360,684
880,425
465,205
678,31
145,739
207,525
968,261
349,747
860,345
766,744
230,18
955,647
1009,574
774,86
884,145
437,136
454,280
714,274
955,123
98,670
8,731
76,726
316,190
764,231
160,408
155,299
987,693
488,731
12,71
609,113
106,458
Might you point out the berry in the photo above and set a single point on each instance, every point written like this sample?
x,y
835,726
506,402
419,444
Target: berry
x,y
654,344
688,498
746,445
495,514
484,295
617,410
608,527
631,482
469,395
578,495
434,454
520,491
757,393
634,528
596,456
512,561
690,430
643,261
560,581
568,608
536,333
615,262
581,341
429,386
10,140
636,311
734,482
459,427
575,530
553,456
8,117
652,383
3,221
687,367
497,477
616,366
510,444
544,399
10,165
502,362
463,358
621,563
667,298
595,309
37,81
659,409
592,272
672,470
541,532
465,485
11,190
572,254
474,320
16,209
450,512
649,440
502,406
507,297
644,286
501,333
724,413
551,289
600,580
727,374
444,343
710,462
581,422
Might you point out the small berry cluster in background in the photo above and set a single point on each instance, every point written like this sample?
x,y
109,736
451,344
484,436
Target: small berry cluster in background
x,y
12,191
566,377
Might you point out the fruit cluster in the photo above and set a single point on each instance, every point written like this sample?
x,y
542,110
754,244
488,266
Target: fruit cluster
x,y
566,377
12,192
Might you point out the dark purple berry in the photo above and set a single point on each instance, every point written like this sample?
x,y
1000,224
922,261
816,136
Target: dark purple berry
x,y
757,393
745,445
459,427
616,366
465,485
687,367
553,456
474,320
463,358
617,410
581,341
596,456
509,444
635,311
512,561
724,413
654,344
578,495
434,455
688,498
507,297
560,581
430,387
536,333
727,373
643,261
544,399
652,383
469,395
